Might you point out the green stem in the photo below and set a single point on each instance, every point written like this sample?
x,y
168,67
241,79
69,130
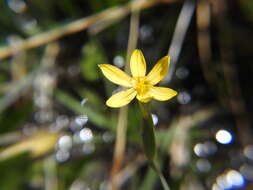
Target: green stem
x,y
162,178
149,145
148,133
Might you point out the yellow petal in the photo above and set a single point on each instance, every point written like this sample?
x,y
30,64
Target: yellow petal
x,y
121,98
159,71
161,93
116,75
137,64
143,94
143,98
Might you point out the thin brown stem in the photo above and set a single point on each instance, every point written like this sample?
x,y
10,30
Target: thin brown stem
x,y
109,15
178,37
119,150
203,17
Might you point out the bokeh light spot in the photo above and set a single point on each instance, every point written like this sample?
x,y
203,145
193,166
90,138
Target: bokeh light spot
x,y
235,179
224,137
86,135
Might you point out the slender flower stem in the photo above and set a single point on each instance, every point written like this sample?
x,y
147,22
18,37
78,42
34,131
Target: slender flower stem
x,y
148,134
149,145
50,171
162,178
120,144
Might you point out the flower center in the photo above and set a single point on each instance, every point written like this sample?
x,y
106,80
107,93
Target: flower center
x,y
141,85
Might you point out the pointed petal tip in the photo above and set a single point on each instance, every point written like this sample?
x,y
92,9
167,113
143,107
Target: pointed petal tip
x,y
167,58
173,93
137,63
111,105
137,50
100,65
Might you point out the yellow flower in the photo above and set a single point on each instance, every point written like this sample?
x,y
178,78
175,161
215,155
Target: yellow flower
x,y
139,84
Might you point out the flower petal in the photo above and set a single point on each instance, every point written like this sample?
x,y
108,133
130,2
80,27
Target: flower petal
x,y
121,98
143,98
137,64
159,71
116,75
161,93
143,94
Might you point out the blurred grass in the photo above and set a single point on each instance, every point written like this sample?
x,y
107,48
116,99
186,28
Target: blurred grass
x,y
94,116
28,146
92,56
40,144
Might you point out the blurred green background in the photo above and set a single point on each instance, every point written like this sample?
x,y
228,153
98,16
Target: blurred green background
x,y
56,132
